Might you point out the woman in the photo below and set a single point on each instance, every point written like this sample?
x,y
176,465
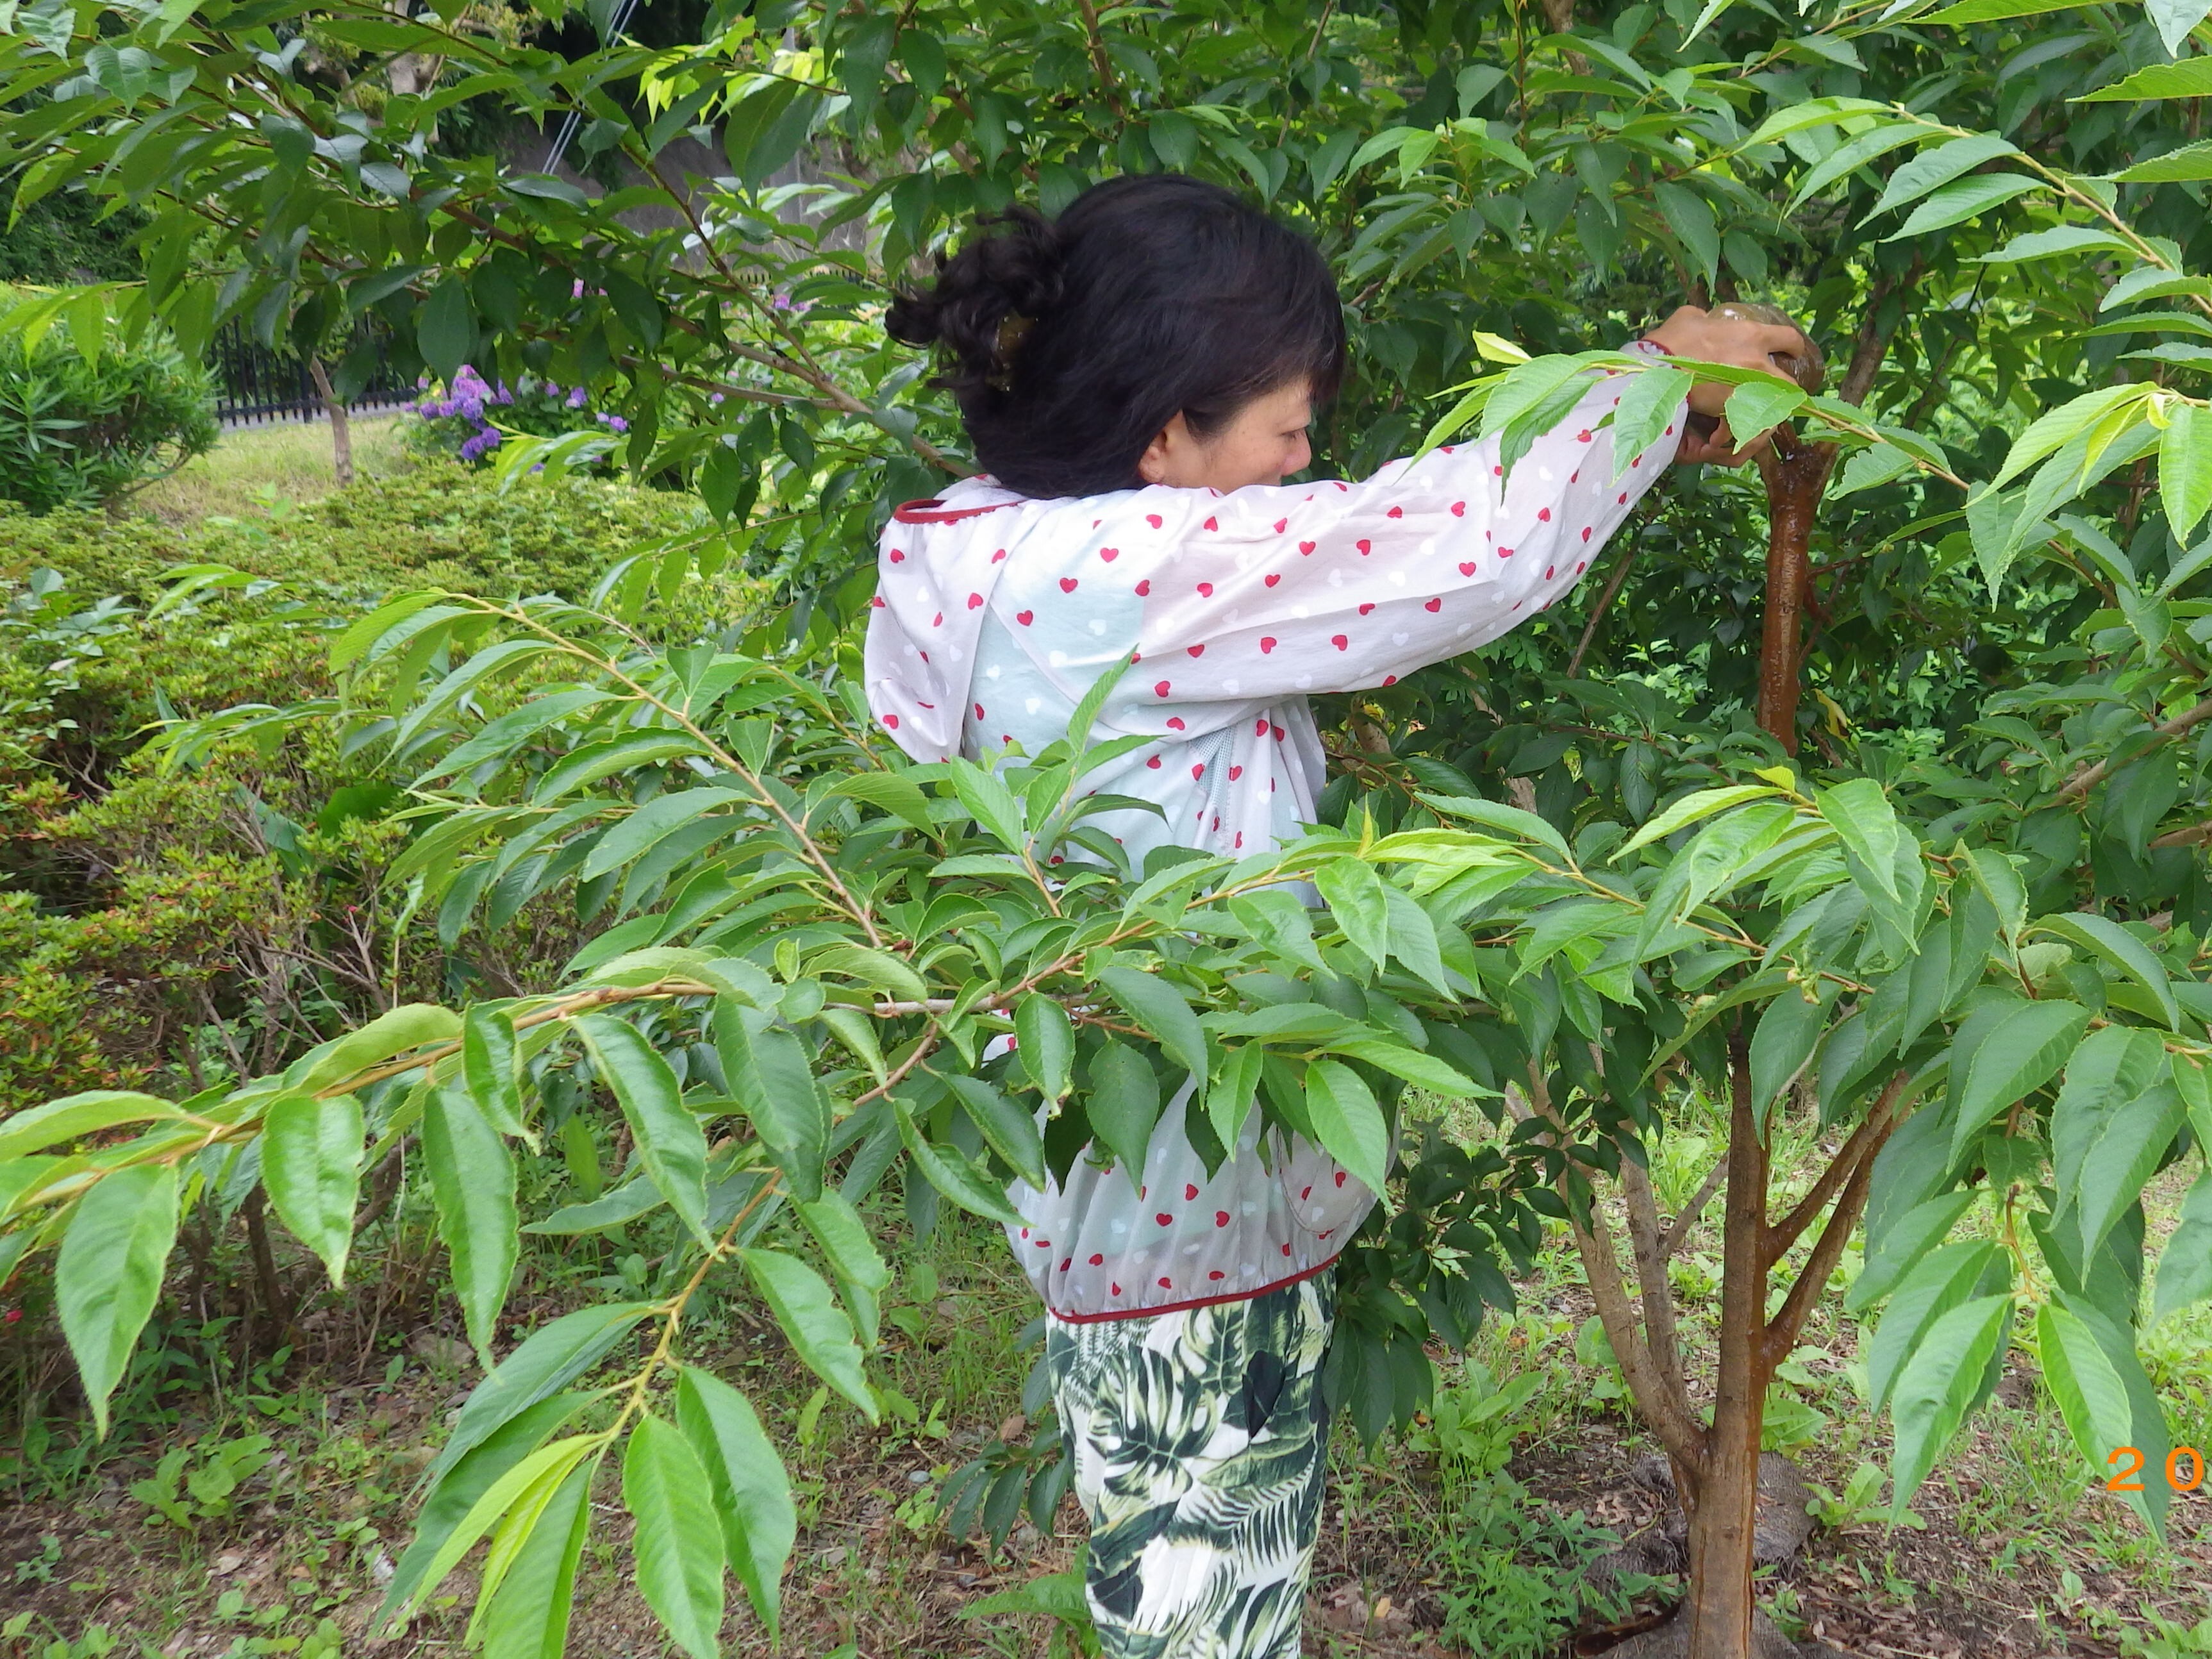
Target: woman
x,y
1137,377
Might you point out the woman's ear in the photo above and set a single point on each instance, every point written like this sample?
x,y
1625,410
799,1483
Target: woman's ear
x,y
1163,456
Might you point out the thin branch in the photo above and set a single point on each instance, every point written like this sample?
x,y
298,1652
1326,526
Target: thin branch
x,y
2090,776
1651,1278
1866,1140
1672,1240
1604,603
1781,1333
1101,63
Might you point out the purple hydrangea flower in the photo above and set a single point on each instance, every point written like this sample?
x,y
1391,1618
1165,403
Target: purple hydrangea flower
x,y
576,398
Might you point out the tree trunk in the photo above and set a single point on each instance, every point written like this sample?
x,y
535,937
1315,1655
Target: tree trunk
x,y
1721,1499
341,434
1795,472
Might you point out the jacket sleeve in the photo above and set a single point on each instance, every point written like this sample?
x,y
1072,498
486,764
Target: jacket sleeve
x,y
1333,586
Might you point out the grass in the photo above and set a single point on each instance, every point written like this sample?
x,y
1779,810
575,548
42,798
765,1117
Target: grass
x,y
290,461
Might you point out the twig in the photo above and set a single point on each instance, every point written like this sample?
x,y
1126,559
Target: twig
x,y
1671,1241
1866,1140
1651,1279
1101,63
2090,776
1597,612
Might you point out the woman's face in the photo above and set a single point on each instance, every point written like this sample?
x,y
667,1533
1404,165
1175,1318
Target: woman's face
x,y
1263,443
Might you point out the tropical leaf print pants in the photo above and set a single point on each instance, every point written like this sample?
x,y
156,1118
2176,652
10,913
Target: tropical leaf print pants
x,y
1200,1445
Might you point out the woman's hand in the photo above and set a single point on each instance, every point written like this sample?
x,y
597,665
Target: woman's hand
x,y
1739,342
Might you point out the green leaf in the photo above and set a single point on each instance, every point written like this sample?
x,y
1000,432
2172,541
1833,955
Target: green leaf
x,y
2114,1118
445,328
550,1357
2189,78
311,1165
1985,11
412,1026
1423,1071
752,1492
772,1079
1946,1278
1230,1096
1853,153
1941,1384
1690,809
843,1237
677,1542
2093,1393
816,1327
2049,243
472,1179
108,1274
550,1464
1690,217
1009,1130
654,822
528,1617
2018,1057
1160,1009
1647,407
1789,1030
1348,1123
2184,1265
669,1143
1758,405
1124,1105
1999,881
1353,892
2185,468
2176,167
74,1116
1859,811
488,1068
1902,1244
2051,432
1938,166
1046,1040
1963,200
953,1175
2103,937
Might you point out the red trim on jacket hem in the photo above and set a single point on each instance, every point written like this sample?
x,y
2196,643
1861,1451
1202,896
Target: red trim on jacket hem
x,y
1196,1301
926,512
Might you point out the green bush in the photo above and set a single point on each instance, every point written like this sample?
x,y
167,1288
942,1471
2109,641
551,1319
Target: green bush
x,y
439,524
79,431
157,924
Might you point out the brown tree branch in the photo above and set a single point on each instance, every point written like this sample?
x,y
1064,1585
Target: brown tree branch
x,y
1865,1141
1679,1229
1659,1332
2090,776
1101,63
1781,1333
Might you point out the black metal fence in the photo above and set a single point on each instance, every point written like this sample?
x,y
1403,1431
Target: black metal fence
x,y
255,384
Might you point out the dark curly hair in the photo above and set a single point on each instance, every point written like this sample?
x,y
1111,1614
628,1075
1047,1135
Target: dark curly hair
x,y
1071,342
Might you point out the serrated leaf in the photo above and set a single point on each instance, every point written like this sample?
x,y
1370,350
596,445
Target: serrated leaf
x,y
1939,1385
488,1068
472,1179
676,1542
1860,814
1158,1008
2103,937
528,1617
1348,1122
1946,1278
2091,1389
773,1081
2185,468
1962,200
953,1175
1358,905
74,1116
1690,809
107,1275
2020,1057
2110,1127
1006,1128
1651,402
1124,1103
1936,166
311,1163
815,1325
2189,78
2184,1264
751,1491
1046,1044
670,1142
